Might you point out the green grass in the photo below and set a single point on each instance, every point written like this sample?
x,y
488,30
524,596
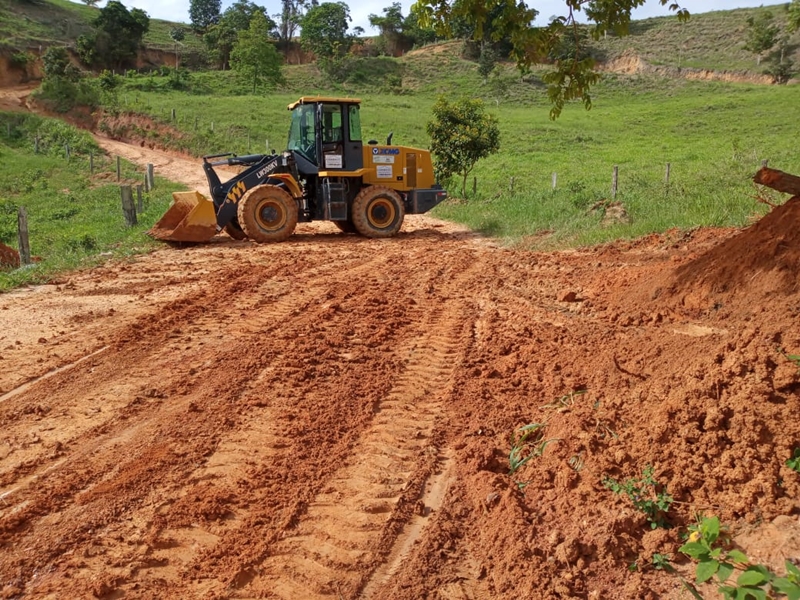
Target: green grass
x,y
74,220
27,24
714,135
713,40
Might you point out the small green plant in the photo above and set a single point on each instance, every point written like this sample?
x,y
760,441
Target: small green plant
x,y
794,462
795,358
526,442
708,545
661,562
647,496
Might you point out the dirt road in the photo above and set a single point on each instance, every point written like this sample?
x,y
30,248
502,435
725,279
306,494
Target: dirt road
x,y
330,417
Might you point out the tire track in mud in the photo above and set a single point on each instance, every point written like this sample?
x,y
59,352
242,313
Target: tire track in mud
x,y
144,442
365,511
112,430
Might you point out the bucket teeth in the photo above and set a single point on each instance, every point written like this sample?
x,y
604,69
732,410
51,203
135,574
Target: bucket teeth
x,y
191,218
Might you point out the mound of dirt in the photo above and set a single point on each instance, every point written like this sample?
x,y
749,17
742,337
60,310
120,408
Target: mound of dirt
x,y
8,257
760,262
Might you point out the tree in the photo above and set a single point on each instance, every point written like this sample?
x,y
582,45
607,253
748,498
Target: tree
x,y
762,34
569,79
391,27
177,34
461,133
204,13
290,17
324,30
90,2
117,36
222,36
254,56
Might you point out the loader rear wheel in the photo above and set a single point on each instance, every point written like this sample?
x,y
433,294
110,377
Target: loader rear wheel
x,y
233,230
267,214
378,212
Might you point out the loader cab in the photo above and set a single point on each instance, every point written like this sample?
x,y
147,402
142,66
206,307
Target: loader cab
x,y
327,132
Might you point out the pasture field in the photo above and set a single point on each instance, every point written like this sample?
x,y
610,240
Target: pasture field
x,y
714,136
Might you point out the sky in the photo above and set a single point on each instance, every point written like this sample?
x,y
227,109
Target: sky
x,y
178,10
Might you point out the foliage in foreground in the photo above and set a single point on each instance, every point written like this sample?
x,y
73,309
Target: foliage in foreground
x,y
646,494
711,547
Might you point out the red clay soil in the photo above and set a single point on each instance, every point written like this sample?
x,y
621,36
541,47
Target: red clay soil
x,y
330,417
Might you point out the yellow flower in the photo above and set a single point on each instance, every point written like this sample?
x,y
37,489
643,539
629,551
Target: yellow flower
x,y
694,536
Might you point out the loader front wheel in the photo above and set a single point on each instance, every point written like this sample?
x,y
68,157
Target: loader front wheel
x,y
378,212
267,214
233,230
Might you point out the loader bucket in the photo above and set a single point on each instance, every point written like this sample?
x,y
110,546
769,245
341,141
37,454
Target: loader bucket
x,y
191,218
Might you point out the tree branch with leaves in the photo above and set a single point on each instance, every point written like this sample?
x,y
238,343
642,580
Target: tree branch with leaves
x,y
571,78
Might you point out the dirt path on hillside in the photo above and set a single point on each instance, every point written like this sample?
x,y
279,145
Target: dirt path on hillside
x,y
329,418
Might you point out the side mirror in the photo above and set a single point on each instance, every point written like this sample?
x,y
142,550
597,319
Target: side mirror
x,y
389,138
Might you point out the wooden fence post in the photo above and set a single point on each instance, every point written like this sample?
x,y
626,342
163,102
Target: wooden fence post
x,y
22,232
150,176
66,151
91,163
666,175
195,123
139,199
128,208
614,179
764,162
119,169
555,180
173,114
511,185
146,184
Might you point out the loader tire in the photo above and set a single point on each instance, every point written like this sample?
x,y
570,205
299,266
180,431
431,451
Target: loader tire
x,y
346,226
233,230
378,212
267,214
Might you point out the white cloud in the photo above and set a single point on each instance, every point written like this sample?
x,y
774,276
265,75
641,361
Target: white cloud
x,y
178,10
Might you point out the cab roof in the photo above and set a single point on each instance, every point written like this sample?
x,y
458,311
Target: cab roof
x,y
330,99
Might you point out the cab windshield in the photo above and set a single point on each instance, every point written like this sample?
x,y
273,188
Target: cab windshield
x,y
301,132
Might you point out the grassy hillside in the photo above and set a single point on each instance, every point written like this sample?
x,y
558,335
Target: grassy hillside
x,y
29,24
713,40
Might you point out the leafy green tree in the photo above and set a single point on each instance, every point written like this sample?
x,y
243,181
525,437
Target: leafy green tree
x,y
487,60
222,36
62,85
204,13
254,57
762,34
324,30
177,34
569,79
117,36
391,27
461,133
416,34
90,2
290,17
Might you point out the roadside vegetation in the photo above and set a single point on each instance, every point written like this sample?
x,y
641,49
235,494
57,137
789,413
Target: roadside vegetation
x,y
75,219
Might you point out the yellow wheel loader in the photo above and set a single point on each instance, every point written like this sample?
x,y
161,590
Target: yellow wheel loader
x,y
326,173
